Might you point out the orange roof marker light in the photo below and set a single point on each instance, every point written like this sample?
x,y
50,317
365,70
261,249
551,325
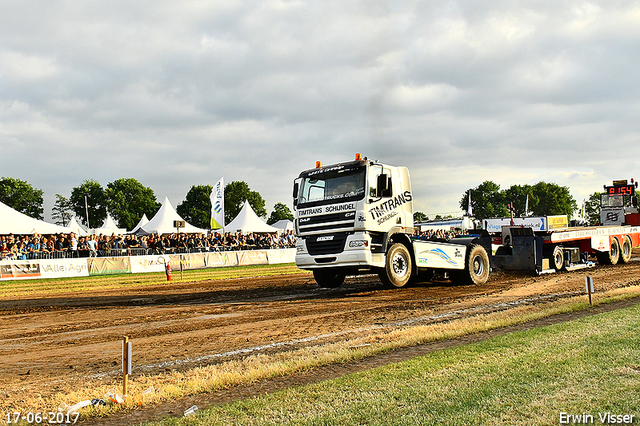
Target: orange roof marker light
x,y
318,164
358,157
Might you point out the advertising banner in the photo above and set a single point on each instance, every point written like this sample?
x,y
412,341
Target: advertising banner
x,y
58,268
142,264
221,259
281,256
252,257
19,270
109,265
494,226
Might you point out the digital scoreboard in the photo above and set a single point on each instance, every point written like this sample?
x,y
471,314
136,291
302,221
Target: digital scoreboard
x,y
621,190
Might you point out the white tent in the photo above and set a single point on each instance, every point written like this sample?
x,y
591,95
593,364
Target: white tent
x,y
14,222
77,228
248,221
143,221
109,227
162,222
283,225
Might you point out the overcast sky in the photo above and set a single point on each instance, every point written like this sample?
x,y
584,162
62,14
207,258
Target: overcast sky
x,y
181,93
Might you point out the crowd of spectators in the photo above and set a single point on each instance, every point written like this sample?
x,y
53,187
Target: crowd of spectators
x,y
438,234
37,246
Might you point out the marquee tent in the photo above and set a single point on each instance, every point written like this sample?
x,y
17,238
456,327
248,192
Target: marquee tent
x,y
109,227
162,222
283,225
248,221
143,221
77,228
14,222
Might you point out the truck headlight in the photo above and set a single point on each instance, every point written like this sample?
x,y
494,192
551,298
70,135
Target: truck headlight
x,y
300,249
358,243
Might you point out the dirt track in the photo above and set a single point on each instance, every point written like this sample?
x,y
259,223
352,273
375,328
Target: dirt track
x,y
49,342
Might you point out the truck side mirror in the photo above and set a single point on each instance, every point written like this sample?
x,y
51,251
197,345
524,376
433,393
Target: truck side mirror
x,y
295,194
383,185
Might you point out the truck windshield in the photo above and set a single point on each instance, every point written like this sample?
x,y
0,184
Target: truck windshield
x,y
332,186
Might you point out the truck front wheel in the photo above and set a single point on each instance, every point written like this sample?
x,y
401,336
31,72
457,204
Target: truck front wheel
x,y
397,271
327,278
476,270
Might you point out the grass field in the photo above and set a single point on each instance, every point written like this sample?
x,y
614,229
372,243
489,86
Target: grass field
x,y
587,367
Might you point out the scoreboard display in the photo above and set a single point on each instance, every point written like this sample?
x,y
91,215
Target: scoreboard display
x,y
621,190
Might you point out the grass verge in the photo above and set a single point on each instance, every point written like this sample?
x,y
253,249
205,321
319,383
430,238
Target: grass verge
x,y
586,367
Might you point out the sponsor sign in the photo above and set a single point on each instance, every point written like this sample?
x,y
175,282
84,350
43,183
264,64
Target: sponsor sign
x,y
109,265
612,215
334,208
142,264
557,222
281,256
494,226
383,211
252,257
58,268
20,270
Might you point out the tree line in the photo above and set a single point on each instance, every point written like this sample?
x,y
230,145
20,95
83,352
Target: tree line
x,y
541,199
126,200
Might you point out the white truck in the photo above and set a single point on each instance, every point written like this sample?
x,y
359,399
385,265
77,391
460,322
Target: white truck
x,y
357,217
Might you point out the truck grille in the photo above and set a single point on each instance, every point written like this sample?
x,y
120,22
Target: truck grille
x,y
327,221
326,244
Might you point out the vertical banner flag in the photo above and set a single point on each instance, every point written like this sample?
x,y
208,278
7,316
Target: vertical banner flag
x,y
526,206
469,209
217,205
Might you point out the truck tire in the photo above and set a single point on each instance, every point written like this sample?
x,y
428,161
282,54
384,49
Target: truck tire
x,y
328,278
557,258
476,268
625,250
398,265
610,257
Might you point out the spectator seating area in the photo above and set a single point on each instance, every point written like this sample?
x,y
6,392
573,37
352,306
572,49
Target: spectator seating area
x,y
56,246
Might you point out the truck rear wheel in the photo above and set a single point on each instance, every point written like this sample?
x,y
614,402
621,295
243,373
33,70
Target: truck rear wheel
x,y
476,269
610,257
328,278
397,271
557,258
625,250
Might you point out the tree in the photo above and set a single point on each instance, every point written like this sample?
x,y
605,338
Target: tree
x,y
420,217
486,201
21,196
516,196
280,212
196,208
96,203
592,209
235,194
128,200
61,212
552,199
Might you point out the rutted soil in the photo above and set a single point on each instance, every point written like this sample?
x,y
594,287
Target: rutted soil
x,y
48,342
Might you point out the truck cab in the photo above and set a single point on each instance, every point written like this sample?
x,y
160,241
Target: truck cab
x,y
347,214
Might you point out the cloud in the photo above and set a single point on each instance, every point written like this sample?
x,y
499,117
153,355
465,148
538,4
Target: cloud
x,y
176,94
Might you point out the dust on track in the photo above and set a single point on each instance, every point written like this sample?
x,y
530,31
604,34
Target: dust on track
x,y
48,342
